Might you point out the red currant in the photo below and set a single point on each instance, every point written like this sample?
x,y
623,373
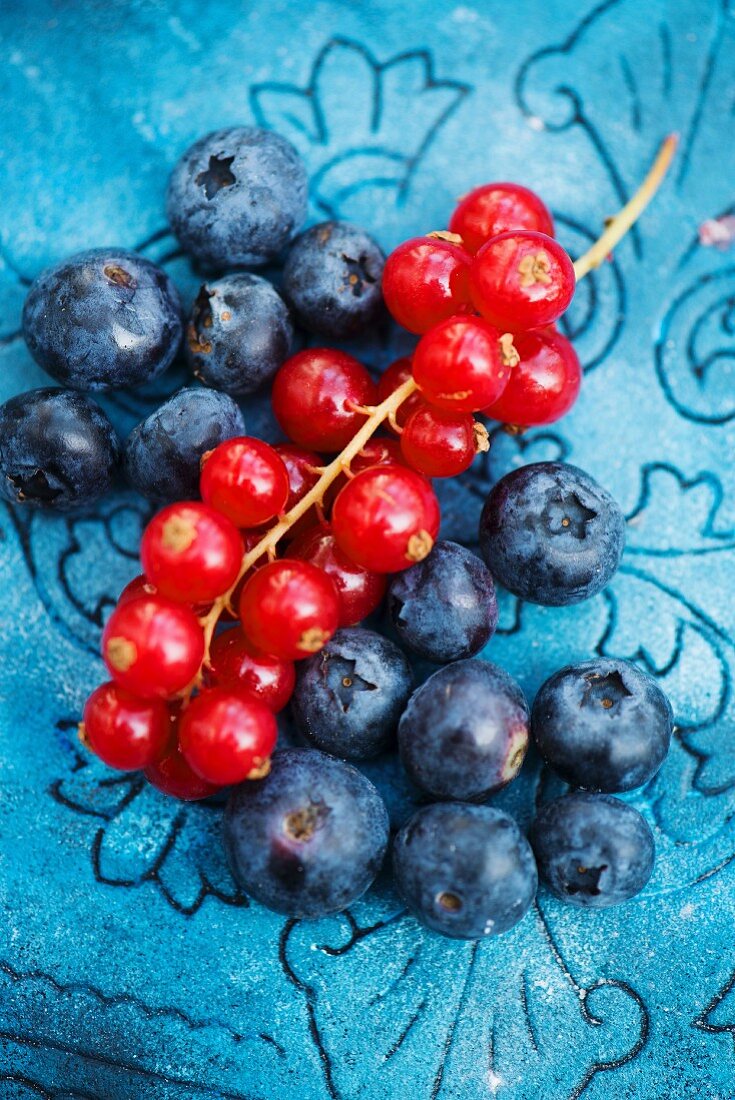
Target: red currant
x,y
426,280
359,591
396,374
544,385
246,480
522,280
289,609
303,473
125,732
235,664
250,540
317,397
174,776
376,452
460,362
227,736
191,552
497,208
153,647
139,586
386,518
439,444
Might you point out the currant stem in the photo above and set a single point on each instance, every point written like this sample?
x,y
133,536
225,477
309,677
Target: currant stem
x,y
338,466
630,213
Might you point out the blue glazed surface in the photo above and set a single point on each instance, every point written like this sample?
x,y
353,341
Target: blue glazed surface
x,y
129,964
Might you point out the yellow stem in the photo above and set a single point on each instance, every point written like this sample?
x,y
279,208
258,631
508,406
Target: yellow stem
x,y
614,233
630,213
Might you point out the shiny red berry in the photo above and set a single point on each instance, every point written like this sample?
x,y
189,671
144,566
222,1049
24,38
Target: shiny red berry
x,y
250,540
522,280
302,467
174,776
396,374
440,444
360,591
462,361
497,208
139,586
386,518
426,280
227,736
236,665
289,609
317,397
153,646
378,451
124,731
191,552
544,385
246,480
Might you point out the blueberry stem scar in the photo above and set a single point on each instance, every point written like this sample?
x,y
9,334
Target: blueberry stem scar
x,y
375,416
619,225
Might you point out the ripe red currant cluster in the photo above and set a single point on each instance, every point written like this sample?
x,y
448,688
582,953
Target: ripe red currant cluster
x,y
294,545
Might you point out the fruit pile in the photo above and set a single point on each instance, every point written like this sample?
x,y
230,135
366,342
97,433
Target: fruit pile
x,y
258,570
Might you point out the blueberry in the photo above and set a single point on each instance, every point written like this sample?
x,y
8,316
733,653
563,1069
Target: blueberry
x,y
57,449
592,850
464,733
551,534
349,697
310,838
103,319
237,197
444,608
464,871
603,725
332,279
239,334
163,454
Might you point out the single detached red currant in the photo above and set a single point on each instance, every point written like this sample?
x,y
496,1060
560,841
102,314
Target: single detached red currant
x,y
191,552
461,361
289,609
497,208
125,732
386,518
426,280
522,280
441,444
153,646
359,591
397,373
227,736
544,385
317,397
234,664
246,480
174,776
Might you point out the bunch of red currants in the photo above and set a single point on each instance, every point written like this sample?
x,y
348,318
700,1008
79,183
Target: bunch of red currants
x,y
195,708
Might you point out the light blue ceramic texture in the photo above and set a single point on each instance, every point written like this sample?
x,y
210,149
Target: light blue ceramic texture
x,y
130,967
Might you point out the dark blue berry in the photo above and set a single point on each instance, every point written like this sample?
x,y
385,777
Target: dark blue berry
x,y
57,449
464,871
592,850
603,725
464,733
551,534
103,319
163,454
332,279
444,608
310,838
239,334
237,197
349,697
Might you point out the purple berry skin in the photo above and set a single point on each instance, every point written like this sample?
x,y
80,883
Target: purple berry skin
x,y
464,733
237,197
551,534
308,839
465,871
592,850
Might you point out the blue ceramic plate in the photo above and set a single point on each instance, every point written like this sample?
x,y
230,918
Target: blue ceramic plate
x,y
130,966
